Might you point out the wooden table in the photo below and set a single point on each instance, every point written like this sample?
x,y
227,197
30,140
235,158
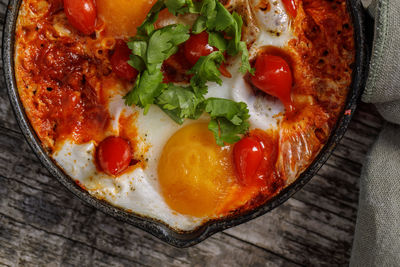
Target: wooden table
x,y
41,223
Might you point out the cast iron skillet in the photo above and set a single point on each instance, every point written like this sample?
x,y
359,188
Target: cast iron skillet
x,y
159,229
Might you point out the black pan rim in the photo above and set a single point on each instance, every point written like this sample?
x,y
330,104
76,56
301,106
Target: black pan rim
x,y
151,226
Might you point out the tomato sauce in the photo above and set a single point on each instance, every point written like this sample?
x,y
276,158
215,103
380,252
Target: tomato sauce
x,y
175,68
61,78
62,89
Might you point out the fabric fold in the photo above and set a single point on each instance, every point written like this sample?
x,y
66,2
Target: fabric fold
x,y
384,80
377,234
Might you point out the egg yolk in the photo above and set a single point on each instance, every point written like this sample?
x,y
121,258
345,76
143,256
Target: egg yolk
x,y
122,17
195,174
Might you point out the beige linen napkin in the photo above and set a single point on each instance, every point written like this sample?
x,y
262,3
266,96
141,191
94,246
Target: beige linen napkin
x,y
377,235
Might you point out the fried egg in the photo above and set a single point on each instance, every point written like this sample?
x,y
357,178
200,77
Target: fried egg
x,y
186,176
73,95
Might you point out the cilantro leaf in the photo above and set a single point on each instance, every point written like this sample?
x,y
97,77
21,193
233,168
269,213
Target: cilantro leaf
x,y
220,19
175,6
138,47
207,69
235,32
217,40
180,103
229,119
138,57
226,132
148,58
199,25
147,26
151,47
147,87
137,62
208,9
236,46
181,6
245,67
235,112
164,42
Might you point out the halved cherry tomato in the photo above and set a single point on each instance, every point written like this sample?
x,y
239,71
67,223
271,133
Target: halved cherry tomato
x,y
291,7
274,76
114,155
197,46
81,14
247,156
119,61
165,18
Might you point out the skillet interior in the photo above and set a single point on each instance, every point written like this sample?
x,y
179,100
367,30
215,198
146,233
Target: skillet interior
x,y
151,226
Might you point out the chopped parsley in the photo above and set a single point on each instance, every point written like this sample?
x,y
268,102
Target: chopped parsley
x,y
151,47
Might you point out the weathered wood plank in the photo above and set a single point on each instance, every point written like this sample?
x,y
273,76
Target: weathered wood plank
x,y
37,210
315,226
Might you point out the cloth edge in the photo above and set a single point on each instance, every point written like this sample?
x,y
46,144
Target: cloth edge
x,y
381,17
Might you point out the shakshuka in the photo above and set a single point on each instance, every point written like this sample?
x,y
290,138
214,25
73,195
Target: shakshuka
x,y
183,111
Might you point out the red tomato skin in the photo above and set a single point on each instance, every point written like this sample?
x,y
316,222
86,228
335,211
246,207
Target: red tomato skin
x,y
291,7
197,46
247,156
119,62
81,14
114,155
273,76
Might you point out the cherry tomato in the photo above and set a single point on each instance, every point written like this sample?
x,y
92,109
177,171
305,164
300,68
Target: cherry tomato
x,y
114,155
81,14
247,156
165,18
291,7
197,46
273,76
119,61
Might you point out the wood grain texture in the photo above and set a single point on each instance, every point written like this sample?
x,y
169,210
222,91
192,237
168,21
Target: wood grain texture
x,y
42,224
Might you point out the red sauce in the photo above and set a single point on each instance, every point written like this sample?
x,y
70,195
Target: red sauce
x,y
65,100
176,67
62,80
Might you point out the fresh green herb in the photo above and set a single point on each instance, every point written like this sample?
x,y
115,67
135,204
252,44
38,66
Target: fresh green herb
x,y
217,40
147,87
199,25
219,19
207,69
214,17
147,27
151,47
180,103
164,42
182,6
228,119
148,58
245,67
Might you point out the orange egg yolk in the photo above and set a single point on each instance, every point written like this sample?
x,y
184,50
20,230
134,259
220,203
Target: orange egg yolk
x,y
195,174
122,17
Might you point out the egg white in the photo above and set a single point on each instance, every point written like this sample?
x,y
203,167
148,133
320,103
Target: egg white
x,y
138,190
